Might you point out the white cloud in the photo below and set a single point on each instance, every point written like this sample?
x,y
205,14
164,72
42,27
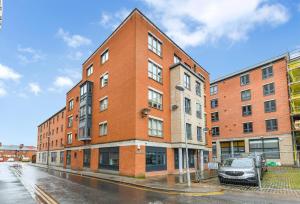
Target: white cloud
x,y
195,22
73,41
34,88
7,73
75,55
29,55
63,82
112,20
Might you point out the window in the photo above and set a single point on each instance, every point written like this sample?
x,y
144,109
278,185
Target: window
x,y
154,72
53,156
245,79
270,106
70,121
198,88
104,57
187,81
187,105
176,59
246,95
83,90
103,104
215,116
213,90
271,125
154,44
154,99
188,131
69,138
89,70
104,80
155,127
103,129
214,103
61,157
198,110
267,72
82,112
248,127
214,150
215,131
269,89
86,158
270,147
109,158
238,147
156,158
247,110
191,155
199,134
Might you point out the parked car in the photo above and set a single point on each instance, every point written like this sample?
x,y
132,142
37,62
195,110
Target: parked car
x,y
260,161
25,159
10,160
238,170
1,159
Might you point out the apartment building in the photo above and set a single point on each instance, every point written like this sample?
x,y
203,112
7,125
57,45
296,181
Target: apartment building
x,y
126,115
51,140
250,112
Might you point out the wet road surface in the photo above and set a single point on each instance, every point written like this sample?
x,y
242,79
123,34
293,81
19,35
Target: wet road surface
x,y
69,188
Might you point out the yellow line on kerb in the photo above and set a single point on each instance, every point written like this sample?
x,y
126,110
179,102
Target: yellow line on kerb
x,y
154,190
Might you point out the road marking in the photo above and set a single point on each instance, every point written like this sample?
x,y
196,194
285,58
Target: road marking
x,y
34,190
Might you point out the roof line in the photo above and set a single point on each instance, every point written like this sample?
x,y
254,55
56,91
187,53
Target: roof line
x,y
123,22
52,116
249,68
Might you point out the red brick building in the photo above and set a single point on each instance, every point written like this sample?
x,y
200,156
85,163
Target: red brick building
x,y
120,116
250,112
51,139
126,116
17,152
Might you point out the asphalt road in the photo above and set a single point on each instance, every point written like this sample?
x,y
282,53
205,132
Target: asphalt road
x,y
17,185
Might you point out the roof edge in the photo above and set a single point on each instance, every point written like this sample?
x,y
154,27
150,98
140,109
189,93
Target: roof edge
x,y
52,116
255,66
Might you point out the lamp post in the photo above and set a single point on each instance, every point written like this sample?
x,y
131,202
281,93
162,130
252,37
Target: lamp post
x,y
181,88
48,150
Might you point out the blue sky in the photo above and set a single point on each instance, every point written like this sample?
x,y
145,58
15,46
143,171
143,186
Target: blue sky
x,y
44,43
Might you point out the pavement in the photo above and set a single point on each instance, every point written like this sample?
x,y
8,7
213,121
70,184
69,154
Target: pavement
x,y
170,183
64,187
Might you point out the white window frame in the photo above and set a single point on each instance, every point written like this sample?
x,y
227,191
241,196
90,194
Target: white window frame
x,y
104,106
155,99
103,132
104,56
153,71
154,44
155,127
90,70
69,137
104,80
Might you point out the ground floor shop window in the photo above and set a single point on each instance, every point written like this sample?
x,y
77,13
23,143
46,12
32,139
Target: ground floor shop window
x,y
225,150
238,147
86,158
44,157
61,160
191,155
109,158
205,157
53,156
270,147
214,150
156,159
68,157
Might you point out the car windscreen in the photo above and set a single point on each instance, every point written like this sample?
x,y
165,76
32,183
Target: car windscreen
x,y
239,163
